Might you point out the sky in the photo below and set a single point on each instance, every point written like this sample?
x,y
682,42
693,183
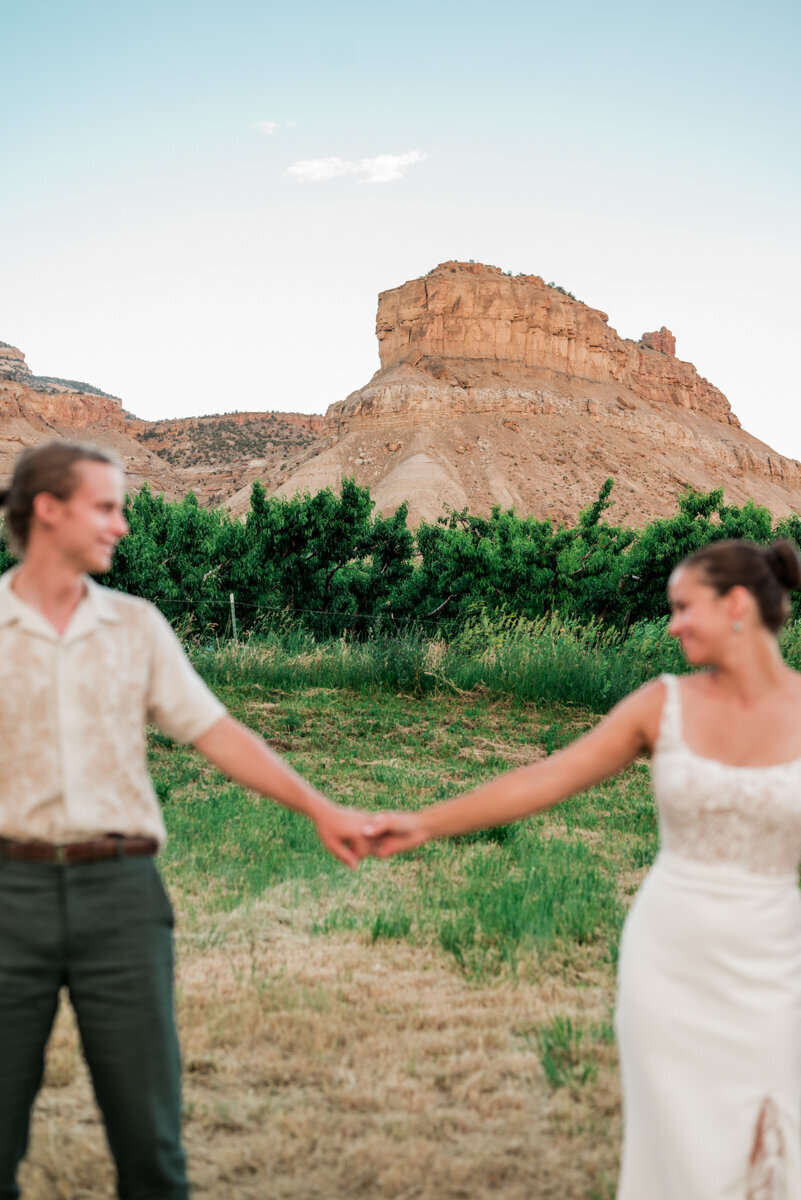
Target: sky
x,y
200,202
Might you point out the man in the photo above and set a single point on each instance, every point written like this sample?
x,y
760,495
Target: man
x,y
82,670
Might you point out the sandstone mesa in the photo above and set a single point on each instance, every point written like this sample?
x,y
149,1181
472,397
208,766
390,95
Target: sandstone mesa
x,y
492,389
498,389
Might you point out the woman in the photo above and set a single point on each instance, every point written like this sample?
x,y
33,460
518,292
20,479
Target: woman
x,y
709,982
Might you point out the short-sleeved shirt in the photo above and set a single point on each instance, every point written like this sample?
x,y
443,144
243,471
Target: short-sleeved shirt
x,y
73,712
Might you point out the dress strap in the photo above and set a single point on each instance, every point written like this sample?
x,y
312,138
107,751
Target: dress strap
x,y
670,735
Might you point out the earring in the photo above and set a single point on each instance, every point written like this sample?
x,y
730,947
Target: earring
x,y
736,626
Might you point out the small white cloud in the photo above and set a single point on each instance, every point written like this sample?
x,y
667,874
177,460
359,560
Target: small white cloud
x,y
291,124
267,126
384,168
314,170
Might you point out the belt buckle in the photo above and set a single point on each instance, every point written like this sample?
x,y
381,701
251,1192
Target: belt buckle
x,y
60,853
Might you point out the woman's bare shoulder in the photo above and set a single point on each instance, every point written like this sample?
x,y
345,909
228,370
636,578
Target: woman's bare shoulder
x,y
651,696
643,710
653,704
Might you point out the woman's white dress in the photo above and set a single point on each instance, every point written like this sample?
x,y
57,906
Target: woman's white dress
x,y
709,984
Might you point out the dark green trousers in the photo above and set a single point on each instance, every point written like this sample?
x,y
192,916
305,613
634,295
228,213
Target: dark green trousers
x,y
104,931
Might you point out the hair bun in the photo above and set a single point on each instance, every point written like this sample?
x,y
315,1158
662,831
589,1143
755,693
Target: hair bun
x,y
783,560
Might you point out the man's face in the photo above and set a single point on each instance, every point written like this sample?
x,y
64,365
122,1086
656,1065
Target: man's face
x,y
86,527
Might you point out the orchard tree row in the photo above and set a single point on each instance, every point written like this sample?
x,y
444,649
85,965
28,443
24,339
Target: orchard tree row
x,y
332,564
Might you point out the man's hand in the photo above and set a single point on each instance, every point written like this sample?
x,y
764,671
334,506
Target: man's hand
x,y
393,833
341,830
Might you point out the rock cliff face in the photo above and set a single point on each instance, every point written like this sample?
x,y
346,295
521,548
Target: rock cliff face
x,y
507,390
36,408
213,456
42,398
662,340
465,313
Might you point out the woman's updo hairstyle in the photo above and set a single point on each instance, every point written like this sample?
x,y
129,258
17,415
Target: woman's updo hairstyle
x,y
47,468
769,573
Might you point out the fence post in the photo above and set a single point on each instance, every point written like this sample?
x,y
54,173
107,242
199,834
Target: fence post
x,y
233,616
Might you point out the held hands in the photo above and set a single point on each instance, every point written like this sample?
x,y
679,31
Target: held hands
x,y
341,830
351,835
393,832
245,757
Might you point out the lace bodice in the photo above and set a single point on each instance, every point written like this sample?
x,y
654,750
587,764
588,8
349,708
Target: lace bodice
x,y
717,813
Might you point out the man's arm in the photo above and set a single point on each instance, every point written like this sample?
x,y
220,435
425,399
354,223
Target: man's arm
x,y
247,759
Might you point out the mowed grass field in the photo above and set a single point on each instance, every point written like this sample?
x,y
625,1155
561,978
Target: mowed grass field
x,y
437,1026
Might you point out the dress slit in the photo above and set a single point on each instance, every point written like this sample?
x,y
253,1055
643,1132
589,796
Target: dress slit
x,y
767,1174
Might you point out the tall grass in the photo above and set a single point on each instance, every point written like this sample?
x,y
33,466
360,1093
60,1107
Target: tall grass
x,y
548,659
531,894
492,903
552,658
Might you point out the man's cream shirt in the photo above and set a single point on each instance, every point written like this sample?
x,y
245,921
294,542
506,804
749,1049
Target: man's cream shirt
x,y
73,711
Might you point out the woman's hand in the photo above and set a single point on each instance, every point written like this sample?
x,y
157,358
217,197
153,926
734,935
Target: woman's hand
x,y
394,832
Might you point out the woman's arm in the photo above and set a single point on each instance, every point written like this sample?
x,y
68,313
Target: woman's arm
x,y
244,757
628,730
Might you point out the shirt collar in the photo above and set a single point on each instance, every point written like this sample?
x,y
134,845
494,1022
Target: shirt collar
x,y
9,603
95,607
100,599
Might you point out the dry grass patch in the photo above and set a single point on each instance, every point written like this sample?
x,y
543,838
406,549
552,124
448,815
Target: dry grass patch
x,y
327,1068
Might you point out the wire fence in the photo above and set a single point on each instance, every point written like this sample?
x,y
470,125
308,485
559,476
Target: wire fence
x,y
259,616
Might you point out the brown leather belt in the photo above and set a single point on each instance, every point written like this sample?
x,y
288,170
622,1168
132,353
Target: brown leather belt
x,y
112,846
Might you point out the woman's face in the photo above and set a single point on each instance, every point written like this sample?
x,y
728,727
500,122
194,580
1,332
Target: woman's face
x,y
701,619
